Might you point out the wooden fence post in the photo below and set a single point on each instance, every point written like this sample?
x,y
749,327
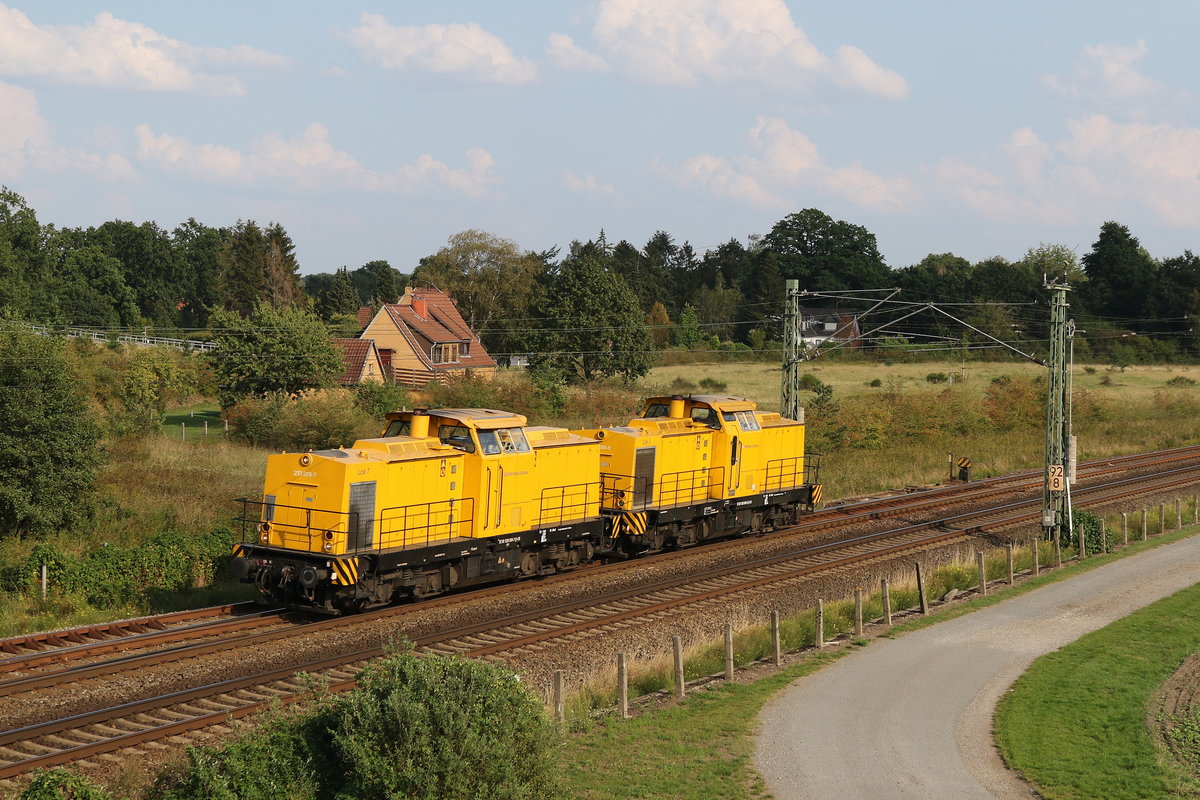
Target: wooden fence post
x,y
858,611
887,601
982,573
677,643
560,711
819,633
776,648
728,651
622,686
921,590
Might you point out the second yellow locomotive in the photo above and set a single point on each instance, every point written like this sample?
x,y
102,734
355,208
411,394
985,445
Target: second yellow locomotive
x,y
448,498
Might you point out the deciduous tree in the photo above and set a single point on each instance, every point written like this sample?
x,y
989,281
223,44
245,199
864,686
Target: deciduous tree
x,y
50,448
273,350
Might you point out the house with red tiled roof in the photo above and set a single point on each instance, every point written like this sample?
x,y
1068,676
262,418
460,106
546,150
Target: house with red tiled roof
x,y
422,338
363,364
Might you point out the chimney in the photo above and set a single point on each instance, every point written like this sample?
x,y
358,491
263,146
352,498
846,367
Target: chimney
x,y
420,307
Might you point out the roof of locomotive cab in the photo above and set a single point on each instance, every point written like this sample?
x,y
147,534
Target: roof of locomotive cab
x,y
721,402
480,418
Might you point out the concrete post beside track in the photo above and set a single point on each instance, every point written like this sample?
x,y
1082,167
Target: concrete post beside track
x,y
1162,517
622,686
886,590
1145,524
1012,575
979,562
858,611
1124,529
819,630
1103,537
560,710
1178,513
1081,534
677,644
921,590
1057,548
776,645
1034,555
728,651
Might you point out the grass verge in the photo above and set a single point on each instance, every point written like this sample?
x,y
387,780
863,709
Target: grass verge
x,y
701,747
1074,723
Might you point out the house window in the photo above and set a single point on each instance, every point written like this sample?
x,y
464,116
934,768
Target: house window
x,y
444,353
465,348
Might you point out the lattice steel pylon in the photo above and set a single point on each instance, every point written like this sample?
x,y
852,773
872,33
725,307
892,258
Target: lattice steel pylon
x,y
793,353
1055,486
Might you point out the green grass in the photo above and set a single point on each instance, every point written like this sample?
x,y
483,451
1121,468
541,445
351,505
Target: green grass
x,y
189,422
1075,722
698,749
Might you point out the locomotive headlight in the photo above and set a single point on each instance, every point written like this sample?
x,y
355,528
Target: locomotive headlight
x,y
329,547
264,537
305,460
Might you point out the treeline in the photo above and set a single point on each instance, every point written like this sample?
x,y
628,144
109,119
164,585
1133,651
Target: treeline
x,y
127,275
601,308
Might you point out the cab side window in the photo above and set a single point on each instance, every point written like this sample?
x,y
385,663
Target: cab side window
x,y
398,427
457,436
706,416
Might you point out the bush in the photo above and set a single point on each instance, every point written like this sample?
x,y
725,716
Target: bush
x,y
713,385
431,727
810,382
62,784
937,377
1090,370
682,384
377,399
442,727
1181,381
315,420
875,383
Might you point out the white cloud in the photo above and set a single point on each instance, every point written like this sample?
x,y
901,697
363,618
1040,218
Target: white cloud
x,y
1098,165
734,42
115,53
1106,76
786,161
308,162
25,143
567,55
466,51
586,184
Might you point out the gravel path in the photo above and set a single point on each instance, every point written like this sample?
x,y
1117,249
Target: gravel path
x,y
912,717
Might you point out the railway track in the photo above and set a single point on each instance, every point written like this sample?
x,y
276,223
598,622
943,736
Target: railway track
x,y
92,735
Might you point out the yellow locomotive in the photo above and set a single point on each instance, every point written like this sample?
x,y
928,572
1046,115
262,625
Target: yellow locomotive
x,y
450,498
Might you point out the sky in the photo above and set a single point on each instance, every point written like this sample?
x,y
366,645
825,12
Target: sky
x,y
379,131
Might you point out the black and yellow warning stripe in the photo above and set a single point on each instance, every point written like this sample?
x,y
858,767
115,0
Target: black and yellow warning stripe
x,y
631,524
240,551
818,493
345,571
964,463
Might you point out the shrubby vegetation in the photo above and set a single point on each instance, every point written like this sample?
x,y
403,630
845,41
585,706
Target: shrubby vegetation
x,y
436,727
